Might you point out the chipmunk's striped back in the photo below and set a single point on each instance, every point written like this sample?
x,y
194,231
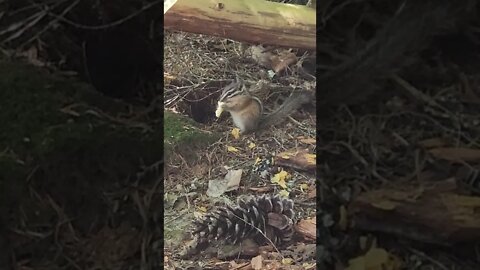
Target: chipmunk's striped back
x,y
235,88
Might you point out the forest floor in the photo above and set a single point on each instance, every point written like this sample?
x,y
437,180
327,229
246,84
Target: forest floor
x,y
196,68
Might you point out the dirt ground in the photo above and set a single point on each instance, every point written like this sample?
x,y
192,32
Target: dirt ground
x,y
199,65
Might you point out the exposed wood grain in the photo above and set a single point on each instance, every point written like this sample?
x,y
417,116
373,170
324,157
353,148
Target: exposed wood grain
x,y
257,22
435,214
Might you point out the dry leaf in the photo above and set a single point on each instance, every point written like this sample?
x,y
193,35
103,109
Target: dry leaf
x,y
304,187
251,145
287,261
260,55
280,63
298,159
198,214
231,182
284,193
375,259
233,178
167,78
232,149
261,189
308,141
280,179
456,154
236,133
257,262
307,228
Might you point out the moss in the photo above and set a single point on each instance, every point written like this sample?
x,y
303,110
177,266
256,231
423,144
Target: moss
x,y
183,135
73,159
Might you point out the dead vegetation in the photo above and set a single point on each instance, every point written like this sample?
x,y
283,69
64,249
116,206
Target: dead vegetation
x,y
399,165
196,68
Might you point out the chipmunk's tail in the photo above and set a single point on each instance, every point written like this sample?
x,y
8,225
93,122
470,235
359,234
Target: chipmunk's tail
x,y
292,103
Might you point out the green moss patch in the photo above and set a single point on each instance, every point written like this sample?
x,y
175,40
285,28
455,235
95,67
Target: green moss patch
x,y
183,135
63,160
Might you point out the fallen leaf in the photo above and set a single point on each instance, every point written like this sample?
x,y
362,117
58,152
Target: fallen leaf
x,y
261,189
298,159
257,262
167,78
282,62
280,179
260,55
230,182
284,193
287,261
375,259
233,178
304,187
456,154
236,133
307,228
251,145
308,141
232,149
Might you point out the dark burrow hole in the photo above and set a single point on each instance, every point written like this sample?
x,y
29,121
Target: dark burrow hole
x,y
200,104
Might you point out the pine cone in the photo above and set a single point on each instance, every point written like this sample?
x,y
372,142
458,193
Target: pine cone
x,y
266,219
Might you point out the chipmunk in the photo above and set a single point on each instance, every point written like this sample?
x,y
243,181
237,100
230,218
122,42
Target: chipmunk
x,y
247,110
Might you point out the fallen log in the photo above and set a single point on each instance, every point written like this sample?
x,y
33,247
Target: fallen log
x,y
257,22
435,214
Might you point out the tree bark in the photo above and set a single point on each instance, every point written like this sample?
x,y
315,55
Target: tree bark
x,y
257,22
435,214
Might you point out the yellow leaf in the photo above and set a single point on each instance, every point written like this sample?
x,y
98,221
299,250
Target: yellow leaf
x,y
284,193
167,78
283,174
311,158
251,145
236,133
303,187
375,259
287,261
257,160
308,265
198,214
282,183
202,209
280,178
232,149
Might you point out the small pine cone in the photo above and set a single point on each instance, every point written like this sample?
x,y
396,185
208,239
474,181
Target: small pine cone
x,y
256,217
